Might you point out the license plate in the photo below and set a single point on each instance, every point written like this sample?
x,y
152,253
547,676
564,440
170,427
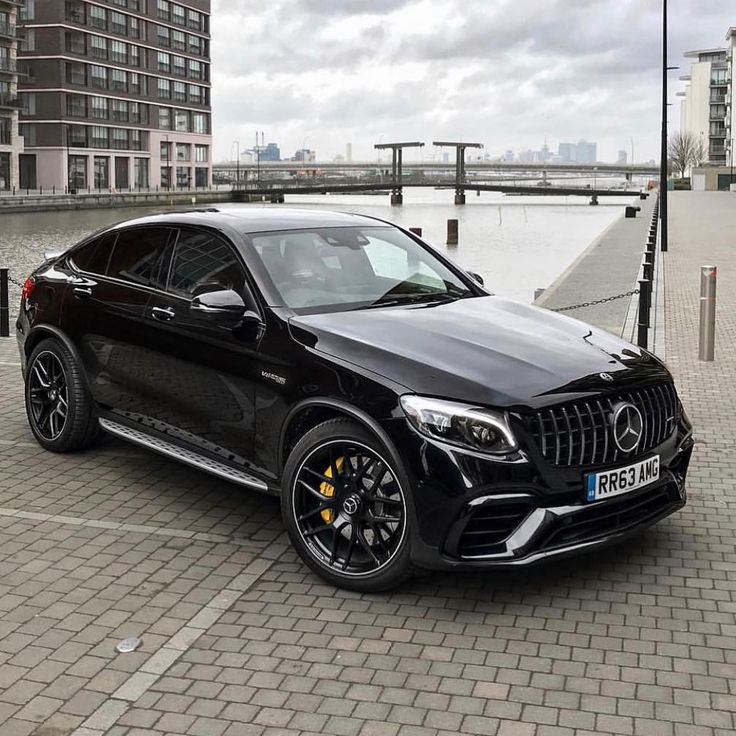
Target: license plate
x,y
622,480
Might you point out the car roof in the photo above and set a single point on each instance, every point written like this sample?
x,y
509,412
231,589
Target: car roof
x,y
249,219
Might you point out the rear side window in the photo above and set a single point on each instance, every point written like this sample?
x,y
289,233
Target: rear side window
x,y
139,256
204,262
92,257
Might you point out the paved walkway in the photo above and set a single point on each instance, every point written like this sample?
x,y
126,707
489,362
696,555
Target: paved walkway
x,y
239,639
609,266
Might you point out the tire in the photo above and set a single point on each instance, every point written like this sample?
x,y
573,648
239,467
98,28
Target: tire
x,y
61,413
353,533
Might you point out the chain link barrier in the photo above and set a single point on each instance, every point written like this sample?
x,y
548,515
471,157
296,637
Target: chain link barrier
x,y
596,301
14,281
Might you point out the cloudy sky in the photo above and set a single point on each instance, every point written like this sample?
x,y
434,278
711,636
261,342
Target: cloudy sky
x,y
506,73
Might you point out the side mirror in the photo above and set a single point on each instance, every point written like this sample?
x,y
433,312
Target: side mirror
x,y
476,277
223,307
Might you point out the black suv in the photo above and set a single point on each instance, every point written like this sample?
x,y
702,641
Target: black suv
x,y
406,417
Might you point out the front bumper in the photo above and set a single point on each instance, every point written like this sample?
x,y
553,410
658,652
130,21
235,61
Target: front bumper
x,y
472,512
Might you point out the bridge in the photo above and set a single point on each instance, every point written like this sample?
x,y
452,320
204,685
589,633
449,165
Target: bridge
x,y
274,179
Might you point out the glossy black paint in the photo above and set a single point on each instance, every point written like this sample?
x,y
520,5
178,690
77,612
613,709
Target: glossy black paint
x,y
240,377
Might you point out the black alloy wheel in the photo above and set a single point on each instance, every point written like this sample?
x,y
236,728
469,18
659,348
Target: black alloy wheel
x,y
48,395
346,508
60,412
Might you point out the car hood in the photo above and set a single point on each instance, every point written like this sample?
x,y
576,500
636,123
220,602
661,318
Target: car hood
x,y
486,350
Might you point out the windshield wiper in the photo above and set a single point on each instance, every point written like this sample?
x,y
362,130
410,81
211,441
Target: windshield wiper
x,y
426,296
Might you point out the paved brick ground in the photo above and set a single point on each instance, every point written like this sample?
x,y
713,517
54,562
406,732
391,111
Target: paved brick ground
x,y
238,639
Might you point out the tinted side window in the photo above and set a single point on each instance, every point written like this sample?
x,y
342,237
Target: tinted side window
x,y
93,256
138,256
204,262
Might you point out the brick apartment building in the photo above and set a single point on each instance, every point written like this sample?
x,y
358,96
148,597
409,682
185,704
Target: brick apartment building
x,y
116,94
11,144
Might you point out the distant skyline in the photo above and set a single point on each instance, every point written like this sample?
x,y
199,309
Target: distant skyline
x,y
508,73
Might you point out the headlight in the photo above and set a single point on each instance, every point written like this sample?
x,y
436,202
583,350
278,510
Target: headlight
x,y
483,430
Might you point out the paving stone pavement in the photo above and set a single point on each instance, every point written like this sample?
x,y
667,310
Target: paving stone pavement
x,y
239,639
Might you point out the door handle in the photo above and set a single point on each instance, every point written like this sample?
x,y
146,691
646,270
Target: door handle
x,y
82,292
163,314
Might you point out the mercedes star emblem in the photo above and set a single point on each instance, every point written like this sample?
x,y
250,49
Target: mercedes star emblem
x,y
350,504
606,377
627,424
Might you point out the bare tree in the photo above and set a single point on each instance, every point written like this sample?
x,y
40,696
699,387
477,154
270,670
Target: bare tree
x,y
685,150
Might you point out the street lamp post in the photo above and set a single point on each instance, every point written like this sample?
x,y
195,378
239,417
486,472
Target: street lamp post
x,y
663,154
237,162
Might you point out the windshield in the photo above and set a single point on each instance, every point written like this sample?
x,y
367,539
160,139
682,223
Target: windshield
x,y
353,268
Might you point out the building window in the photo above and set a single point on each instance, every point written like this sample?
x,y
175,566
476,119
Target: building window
x,y
118,52
179,40
28,42
195,94
77,136
183,177
134,55
166,177
118,23
180,66
201,177
195,45
140,173
200,123
98,76
164,118
195,69
178,15
134,83
99,137
28,131
102,172
77,172
135,27
98,108
118,80
165,151
181,121
27,101
180,91
137,113
97,47
194,20
183,152
164,61
163,9
97,17
164,88
74,11
76,73
76,106
200,153
119,138
75,42
119,111
28,11
164,37
137,140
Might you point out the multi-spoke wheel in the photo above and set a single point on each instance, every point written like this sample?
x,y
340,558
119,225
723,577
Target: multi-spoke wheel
x,y
48,395
345,507
58,407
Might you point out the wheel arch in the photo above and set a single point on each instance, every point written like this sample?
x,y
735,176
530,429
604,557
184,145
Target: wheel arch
x,y
41,332
309,413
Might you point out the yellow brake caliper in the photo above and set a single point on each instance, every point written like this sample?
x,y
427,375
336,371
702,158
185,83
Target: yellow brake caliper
x,y
327,489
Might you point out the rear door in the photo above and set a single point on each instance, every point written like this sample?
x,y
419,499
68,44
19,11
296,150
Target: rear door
x,y
201,376
103,312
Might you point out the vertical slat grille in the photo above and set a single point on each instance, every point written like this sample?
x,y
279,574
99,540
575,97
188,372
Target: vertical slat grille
x,y
580,433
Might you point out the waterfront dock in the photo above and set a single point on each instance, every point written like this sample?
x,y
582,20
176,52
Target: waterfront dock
x,y
238,637
608,267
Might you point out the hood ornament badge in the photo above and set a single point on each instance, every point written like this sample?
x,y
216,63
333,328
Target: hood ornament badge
x,y
606,377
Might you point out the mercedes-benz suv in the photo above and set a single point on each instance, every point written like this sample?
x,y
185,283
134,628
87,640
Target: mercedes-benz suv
x,y
406,417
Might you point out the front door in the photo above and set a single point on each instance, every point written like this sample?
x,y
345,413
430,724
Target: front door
x,y
122,172
201,375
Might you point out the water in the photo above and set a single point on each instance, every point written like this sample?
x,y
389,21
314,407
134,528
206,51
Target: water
x,y
516,243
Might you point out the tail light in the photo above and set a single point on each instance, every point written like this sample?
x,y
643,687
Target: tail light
x,y
28,286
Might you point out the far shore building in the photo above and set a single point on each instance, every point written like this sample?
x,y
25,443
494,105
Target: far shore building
x,y
11,143
707,111
117,94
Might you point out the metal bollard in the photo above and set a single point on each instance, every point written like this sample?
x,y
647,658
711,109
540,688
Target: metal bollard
x,y
643,320
648,266
4,308
452,231
651,244
416,231
707,334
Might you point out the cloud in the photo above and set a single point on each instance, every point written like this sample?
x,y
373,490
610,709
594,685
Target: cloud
x,y
507,73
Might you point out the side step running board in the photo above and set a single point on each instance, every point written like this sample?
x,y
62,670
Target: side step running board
x,y
182,454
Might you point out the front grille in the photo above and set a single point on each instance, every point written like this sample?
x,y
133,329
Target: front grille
x,y
614,515
579,433
490,526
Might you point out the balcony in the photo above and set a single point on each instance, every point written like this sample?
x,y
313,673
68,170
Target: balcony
x,y
4,134
10,31
8,66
